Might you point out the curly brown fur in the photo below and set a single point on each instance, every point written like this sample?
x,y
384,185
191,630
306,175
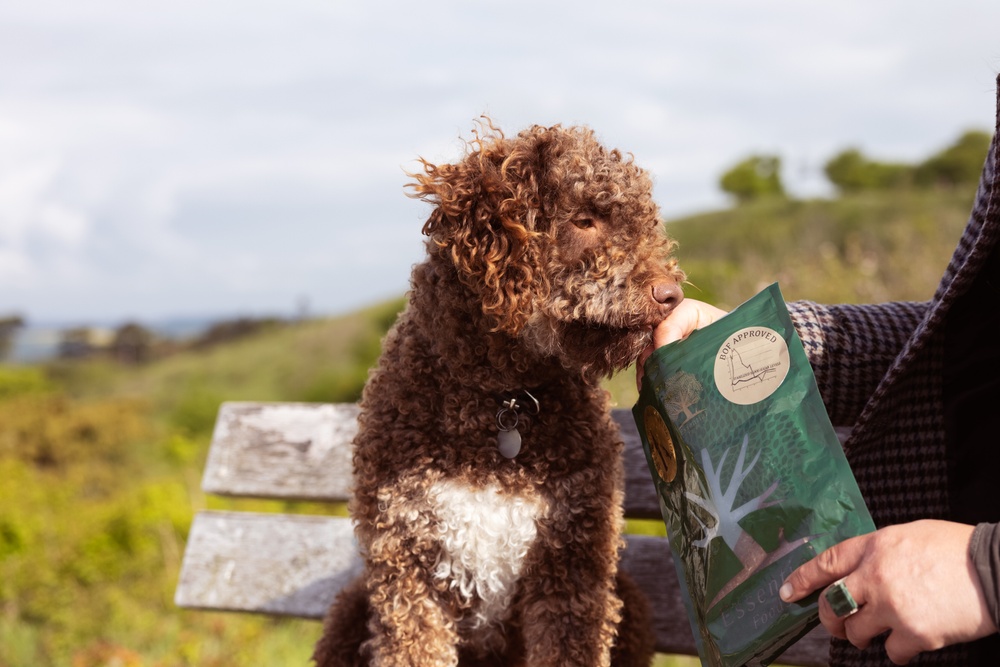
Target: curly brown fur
x,y
546,268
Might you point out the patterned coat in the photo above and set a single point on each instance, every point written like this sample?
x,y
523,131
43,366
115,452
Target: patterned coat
x,y
879,368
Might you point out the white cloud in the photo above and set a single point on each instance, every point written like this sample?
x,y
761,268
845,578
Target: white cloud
x,y
192,157
15,266
30,212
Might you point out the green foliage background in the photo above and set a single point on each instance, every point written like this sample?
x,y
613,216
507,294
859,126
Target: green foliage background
x,y
100,464
756,177
958,165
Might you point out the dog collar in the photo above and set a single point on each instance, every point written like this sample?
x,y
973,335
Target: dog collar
x,y
508,417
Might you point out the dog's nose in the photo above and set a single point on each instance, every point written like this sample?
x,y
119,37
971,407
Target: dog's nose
x,y
667,294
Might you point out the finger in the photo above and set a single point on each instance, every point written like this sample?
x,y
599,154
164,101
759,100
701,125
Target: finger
x,y
900,648
678,325
834,609
861,628
683,320
639,363
834,624
840,599
835,563
671,330
643,356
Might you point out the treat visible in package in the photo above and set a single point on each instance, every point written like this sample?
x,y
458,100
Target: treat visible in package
x,y
751,477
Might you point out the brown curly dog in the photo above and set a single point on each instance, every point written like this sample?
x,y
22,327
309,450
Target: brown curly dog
x,y
487,470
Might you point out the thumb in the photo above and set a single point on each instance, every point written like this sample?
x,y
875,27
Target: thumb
x,y
678,325
689,315
835,563
672,330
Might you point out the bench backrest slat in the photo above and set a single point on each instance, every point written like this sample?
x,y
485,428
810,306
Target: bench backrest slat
x,y
302,451
299,451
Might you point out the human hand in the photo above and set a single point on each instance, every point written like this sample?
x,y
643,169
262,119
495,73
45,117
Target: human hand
x,y
689,315
915,580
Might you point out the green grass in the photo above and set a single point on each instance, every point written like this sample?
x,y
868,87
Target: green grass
x,y
866,248
100,465
101,468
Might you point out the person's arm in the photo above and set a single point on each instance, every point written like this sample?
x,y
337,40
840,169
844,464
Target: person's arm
x,y
852,347
916,580
984,549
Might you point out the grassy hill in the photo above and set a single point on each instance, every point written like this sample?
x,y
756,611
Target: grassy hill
x,y
866,248
100,464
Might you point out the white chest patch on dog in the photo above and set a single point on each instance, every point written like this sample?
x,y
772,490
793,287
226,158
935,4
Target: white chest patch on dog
x,y
485,536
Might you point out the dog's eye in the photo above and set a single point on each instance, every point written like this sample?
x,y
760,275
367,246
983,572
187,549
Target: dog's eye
x,y
584,223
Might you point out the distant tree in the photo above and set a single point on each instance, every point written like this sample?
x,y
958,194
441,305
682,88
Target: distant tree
x,y
76,343
958,165
850,171
227,331
8,327
755,177
133,343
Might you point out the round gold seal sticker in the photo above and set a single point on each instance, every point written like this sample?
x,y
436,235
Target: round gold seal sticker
x,y
661,445
751,365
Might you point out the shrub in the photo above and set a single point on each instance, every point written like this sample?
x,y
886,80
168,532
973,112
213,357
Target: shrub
x,y
850,172
755,177
957,165
16,381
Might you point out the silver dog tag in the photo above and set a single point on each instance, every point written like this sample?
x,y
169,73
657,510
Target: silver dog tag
x,y
509,443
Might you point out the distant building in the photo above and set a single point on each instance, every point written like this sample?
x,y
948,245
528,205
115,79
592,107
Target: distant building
x,y
8,329
133,344
82,342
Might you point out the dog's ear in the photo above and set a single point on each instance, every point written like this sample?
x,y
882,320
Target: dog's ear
x,y
486,221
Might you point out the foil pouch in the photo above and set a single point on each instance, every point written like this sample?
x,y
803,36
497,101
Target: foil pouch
x,y
751,477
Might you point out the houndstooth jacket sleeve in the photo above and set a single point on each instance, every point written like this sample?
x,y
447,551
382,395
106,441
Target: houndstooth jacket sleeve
x,y
852,347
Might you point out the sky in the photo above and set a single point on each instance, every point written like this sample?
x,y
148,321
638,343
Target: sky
x,y
217,159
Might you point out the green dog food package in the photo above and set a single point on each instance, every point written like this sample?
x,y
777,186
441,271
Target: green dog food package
x,y
751,477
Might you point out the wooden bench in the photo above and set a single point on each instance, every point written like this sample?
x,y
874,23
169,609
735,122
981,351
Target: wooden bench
x,y
293,564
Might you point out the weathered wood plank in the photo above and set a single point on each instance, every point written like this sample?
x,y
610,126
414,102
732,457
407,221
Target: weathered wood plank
x,y
289,565
640,493
298,451
294,565
302,451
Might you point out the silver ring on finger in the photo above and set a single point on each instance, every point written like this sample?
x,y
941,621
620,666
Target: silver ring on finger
x,y
841,601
